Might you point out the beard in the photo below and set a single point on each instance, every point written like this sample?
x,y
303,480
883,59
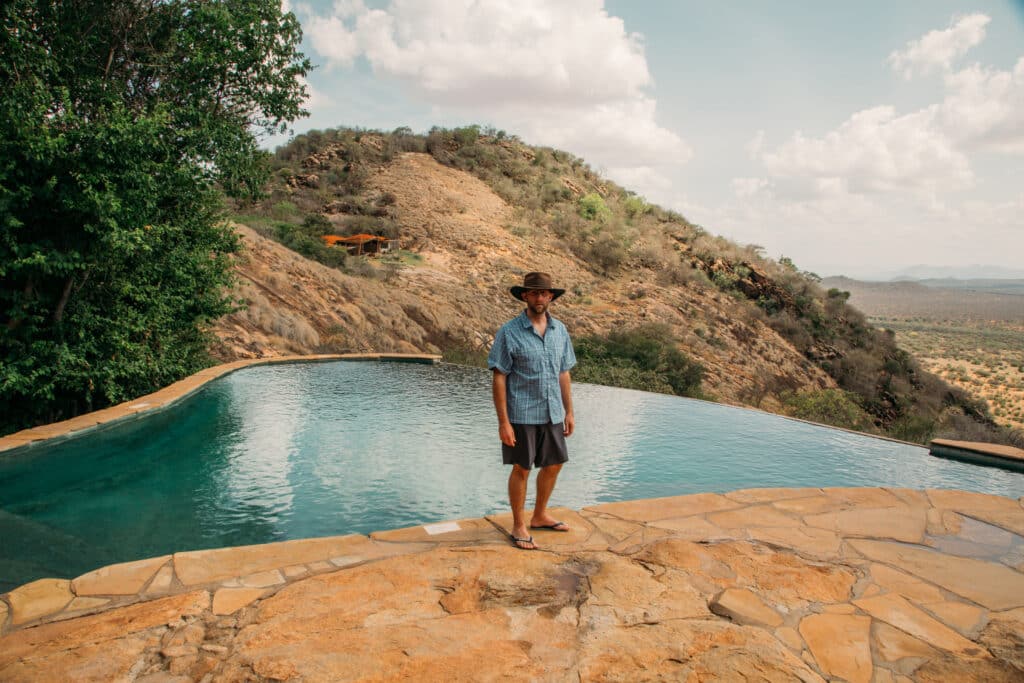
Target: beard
x,y
537,308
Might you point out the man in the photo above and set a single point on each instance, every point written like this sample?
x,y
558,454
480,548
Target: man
x,y
530,359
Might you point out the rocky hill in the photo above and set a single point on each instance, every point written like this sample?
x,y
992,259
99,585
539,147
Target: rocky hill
x,y
458,296
475,212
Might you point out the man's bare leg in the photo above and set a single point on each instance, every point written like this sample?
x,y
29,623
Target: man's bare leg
x,y
546,479
517,481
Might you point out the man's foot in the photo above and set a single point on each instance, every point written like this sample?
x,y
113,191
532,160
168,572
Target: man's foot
x,y
524,543
548,524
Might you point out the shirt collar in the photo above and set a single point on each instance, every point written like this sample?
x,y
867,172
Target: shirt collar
x,y
526,322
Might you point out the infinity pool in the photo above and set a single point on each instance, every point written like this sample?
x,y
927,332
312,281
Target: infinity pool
x,y
281,452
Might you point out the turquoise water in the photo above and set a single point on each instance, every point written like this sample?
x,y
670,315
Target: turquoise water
x,y
293,451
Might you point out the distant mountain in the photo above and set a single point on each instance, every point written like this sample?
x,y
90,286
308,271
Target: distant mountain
x,y
971,272
933,298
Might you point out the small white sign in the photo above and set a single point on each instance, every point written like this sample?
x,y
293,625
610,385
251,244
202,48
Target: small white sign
x,y
442,528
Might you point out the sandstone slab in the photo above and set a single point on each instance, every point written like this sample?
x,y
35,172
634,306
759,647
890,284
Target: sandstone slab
x,y
819,543
230,600
684,650
894,645
896,611
261,580
205,566
840,644
744,607
39,599
459,531
665,508
85,638
161,583
80,604
994,586
767,495
901,523
126,578
625,592
694,528
388,620
905,584
968,620
754,516
612,528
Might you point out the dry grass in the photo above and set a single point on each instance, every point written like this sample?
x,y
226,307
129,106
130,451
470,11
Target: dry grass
x,y
985,358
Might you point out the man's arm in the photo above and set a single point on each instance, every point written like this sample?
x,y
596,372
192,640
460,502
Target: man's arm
x,y
505,431
565,384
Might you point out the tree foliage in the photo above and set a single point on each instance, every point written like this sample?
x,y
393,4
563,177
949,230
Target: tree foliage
x,y
120,124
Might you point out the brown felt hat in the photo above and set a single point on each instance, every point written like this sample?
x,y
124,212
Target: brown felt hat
x,y
536,281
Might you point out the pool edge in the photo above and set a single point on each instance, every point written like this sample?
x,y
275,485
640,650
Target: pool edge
x,y
171,395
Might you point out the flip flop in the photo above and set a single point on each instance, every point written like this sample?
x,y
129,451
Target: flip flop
x,y
557,526
517,541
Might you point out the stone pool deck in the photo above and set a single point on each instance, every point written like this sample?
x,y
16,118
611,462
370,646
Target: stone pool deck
x,y
863,585
180,390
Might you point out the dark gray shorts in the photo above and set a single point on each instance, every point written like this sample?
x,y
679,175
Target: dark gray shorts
x,y
536,445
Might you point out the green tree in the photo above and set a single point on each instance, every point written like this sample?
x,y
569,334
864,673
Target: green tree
x,y
120,125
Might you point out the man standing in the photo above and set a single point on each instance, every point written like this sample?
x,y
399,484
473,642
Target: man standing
x,y
530,359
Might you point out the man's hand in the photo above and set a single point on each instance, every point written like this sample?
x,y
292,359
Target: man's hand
x,y
507,434
569,426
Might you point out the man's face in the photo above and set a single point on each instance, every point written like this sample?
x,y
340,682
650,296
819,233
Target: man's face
x,y
538,299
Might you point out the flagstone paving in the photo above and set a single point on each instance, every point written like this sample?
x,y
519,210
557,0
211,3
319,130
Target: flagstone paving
x,y
868,585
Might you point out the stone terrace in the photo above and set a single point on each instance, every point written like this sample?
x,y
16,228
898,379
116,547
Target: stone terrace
x,y
861,585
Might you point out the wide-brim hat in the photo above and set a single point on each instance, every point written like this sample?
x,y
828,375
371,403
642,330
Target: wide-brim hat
x,y
536,281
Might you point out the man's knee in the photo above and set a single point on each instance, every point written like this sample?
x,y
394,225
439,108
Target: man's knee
x,y
519,472
553,469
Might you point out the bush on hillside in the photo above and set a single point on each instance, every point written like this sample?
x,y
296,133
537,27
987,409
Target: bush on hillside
x,y
828,406
645,357
593,208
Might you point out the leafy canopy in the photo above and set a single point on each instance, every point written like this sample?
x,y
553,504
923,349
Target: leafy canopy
x,y
120,124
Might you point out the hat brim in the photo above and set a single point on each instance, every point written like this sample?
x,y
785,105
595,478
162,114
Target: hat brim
x,y
518,291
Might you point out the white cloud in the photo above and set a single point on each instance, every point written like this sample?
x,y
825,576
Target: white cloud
x,y
985,108
565,74
940,48
875,150
570,50
332,39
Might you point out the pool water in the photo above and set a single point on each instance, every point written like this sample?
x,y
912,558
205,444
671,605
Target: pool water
x,y
282,452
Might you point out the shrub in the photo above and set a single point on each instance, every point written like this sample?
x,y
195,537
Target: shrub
x,y
593,208
645,357
606,253
828,406
635,206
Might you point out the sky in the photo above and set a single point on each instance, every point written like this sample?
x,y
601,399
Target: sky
x,y
854,138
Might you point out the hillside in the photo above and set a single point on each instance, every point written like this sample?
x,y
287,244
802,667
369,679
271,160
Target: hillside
x,y
475,211
458,296
969,332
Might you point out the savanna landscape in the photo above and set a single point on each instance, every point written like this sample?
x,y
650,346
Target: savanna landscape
x,y
969,332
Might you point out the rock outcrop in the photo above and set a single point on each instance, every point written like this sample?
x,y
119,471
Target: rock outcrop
x,y
860,585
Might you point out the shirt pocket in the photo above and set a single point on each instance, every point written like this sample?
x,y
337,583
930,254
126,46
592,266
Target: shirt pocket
x,y
528,361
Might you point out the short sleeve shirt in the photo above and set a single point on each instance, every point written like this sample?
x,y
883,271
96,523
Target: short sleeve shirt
x,y
532,364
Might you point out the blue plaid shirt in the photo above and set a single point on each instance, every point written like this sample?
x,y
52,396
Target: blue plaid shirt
x,y
532,364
